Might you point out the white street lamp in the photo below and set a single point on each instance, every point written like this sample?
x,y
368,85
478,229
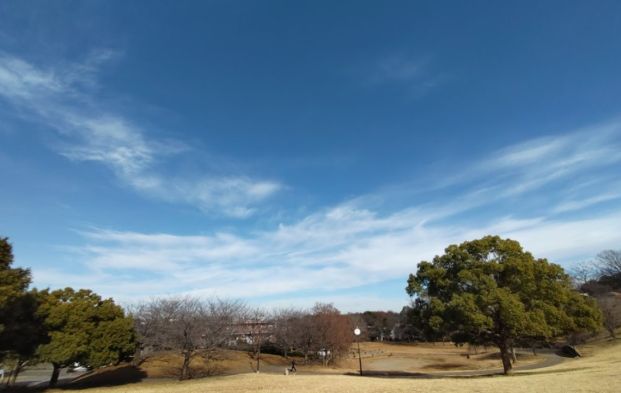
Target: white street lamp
x,y
357,334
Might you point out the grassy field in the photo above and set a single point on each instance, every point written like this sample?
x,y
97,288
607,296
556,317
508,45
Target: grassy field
x,y
597,371
380,358
428,358
376,357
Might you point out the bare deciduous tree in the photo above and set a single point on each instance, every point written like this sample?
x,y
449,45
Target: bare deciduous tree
x,y
187,325
286,329
583,272
334,332
221,318
610,304
321,333
258,325
609,262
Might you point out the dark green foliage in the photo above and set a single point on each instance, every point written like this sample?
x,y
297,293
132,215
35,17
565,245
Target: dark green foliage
x,y
61,327
111,342
13,281
21,330
490,291
17,306
24,330
379,324
84,328
417,323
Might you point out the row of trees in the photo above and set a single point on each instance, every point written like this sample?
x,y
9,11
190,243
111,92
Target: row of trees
x,y
195,327
482,292
61,327
189,326
378,325
67,326
322,332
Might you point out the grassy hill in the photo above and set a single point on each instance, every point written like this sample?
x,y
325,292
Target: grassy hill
x,y
597,371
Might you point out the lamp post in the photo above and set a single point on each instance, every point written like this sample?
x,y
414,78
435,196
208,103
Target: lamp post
x,y
357,334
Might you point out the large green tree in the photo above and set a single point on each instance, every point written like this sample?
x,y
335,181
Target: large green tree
x,y
84,328
13,281
490,291
21,330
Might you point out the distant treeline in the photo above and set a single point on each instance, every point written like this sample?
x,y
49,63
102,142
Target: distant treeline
x,y
482,292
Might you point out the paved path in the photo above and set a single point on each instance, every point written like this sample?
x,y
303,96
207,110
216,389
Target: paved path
x,y
39,377
548,359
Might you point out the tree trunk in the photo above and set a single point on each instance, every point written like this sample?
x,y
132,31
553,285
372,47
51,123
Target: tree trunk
x,y
19,366
258,357
185,369
505,354
55,374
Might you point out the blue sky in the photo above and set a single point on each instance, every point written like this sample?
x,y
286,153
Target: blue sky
x,y
292,152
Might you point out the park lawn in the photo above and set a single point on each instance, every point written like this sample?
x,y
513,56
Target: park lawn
x,y
598,371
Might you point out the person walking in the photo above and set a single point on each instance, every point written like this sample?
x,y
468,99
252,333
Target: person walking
x,y
293,369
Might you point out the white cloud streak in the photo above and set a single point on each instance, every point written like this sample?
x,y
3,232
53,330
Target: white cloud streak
x,y
351,246
347,246
318,254
63,100
409,72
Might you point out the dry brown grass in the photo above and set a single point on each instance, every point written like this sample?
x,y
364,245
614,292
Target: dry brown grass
x,y
598,371
385,357
425,357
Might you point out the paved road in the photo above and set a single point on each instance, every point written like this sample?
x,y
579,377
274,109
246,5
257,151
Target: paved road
x,y
39,376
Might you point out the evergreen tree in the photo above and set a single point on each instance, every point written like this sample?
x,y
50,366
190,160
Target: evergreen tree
x,y
13,281
21,330
490,291
84,328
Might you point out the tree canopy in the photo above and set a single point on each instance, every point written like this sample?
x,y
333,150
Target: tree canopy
x,y
21,330
491,291
13,281
84,328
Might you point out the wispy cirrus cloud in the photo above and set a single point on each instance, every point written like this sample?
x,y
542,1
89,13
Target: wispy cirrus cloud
x,y
64,99
321,257
354,245
412,73
582,203
573,166
399,67
558,155
528,191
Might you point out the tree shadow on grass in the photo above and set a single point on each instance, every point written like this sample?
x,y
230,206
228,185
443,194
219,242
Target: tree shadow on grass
x,y
406,374
111,376
446,366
